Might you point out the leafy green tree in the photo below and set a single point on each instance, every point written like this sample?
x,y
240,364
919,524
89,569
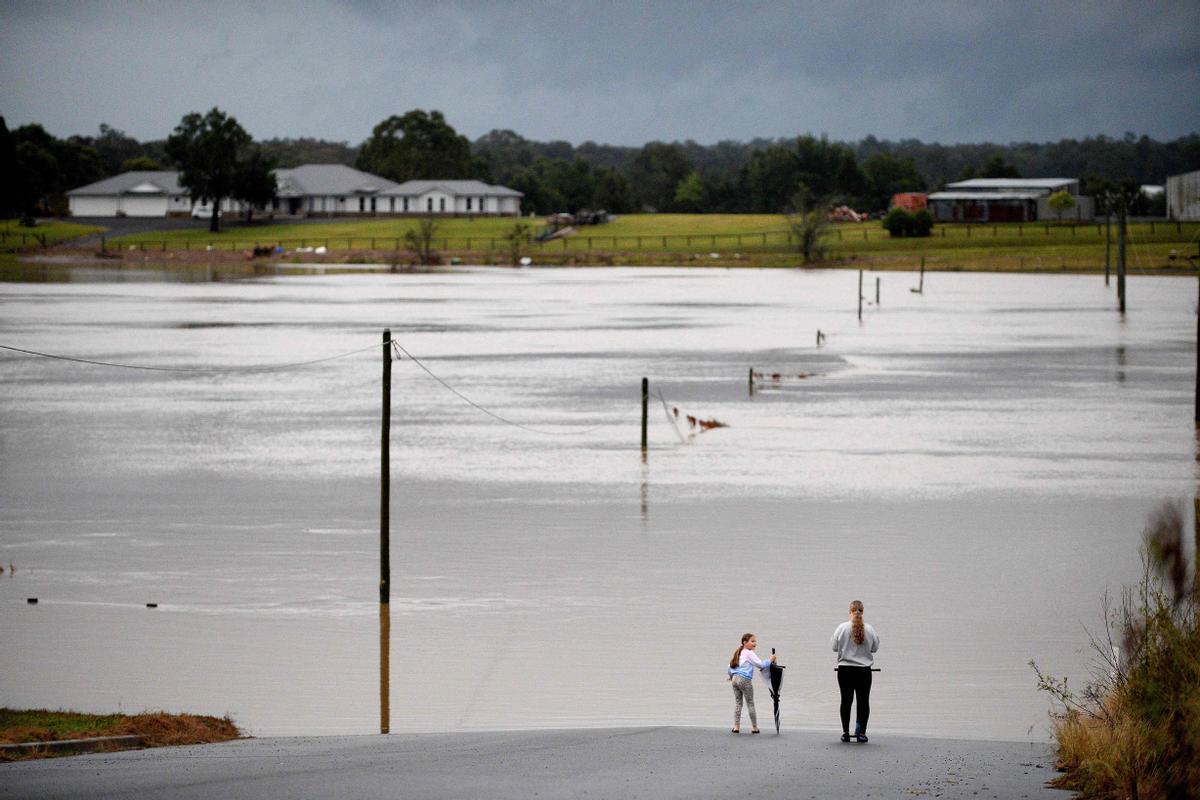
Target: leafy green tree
x,y
772,178
140,163
517,237
689,194
655,174
47,167
207,149
420,240
613,192
997,167
809,224
417,145
887,175
1060,201
254,183
12,181
114,148
829,170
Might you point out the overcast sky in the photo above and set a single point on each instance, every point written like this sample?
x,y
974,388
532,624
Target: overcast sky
x,y
612,72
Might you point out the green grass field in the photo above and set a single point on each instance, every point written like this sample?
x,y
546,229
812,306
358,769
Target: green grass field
x,y
14,238
751,239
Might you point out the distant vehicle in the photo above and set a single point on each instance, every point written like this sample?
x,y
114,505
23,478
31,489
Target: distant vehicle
x,y
203,211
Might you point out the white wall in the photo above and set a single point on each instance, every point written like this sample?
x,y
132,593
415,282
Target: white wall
x,y
1183,196
92,206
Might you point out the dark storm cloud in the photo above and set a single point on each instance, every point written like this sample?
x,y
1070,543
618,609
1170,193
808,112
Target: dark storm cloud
x,y
611,72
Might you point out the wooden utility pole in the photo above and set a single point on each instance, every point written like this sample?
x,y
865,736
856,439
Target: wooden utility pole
x,y
385,565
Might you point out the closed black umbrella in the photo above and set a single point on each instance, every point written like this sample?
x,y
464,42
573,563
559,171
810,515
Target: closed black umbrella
x,y
776,682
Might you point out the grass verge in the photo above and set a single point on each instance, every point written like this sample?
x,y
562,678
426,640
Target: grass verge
x,y
157,729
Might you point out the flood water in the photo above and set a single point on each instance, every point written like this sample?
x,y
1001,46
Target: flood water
x,y
975,463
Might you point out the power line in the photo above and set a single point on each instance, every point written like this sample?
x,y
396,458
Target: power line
x,y
208,370
477,406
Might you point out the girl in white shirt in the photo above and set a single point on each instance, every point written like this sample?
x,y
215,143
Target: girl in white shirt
x,y
741,672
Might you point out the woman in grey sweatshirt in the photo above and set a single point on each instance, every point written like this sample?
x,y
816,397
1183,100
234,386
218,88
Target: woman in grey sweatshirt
x,y
855,642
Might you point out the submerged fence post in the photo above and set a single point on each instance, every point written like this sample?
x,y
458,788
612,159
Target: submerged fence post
x,y
877,291
1107,246
645,411
751,384
921,284
1121,259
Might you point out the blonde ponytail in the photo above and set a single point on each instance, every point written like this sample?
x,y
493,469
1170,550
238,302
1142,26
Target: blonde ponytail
x,y
857,632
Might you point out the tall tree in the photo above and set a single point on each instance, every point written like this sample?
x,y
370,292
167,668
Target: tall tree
x,y
613,193
207,149
656,172
254,183
887,175
418,145
12,188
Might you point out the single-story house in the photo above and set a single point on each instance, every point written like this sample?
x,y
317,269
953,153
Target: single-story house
x,y
308,190
1006,200
1183,196
453,197
132,194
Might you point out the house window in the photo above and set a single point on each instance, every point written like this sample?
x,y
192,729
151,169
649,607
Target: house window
x,y
482,204
441,204
372,205
391,204
406,204
362,204
429,205
468,204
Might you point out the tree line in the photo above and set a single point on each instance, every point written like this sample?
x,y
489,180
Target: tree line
x,y
759,176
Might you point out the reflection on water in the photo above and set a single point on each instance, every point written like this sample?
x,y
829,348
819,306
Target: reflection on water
x,y
968,462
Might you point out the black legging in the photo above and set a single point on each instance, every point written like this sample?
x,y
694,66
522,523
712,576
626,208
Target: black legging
x,y
855,681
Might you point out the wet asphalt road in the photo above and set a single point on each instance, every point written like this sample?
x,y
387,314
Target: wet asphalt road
x,y
671,762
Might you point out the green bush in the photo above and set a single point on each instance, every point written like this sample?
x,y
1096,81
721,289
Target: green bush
x,y
922,223
898,222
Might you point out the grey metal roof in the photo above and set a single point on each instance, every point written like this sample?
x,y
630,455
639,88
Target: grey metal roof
x,y
141,182
328,179
454,187
1016,184
986,195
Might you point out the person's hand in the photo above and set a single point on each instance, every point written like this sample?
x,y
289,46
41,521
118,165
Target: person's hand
x,y
772,658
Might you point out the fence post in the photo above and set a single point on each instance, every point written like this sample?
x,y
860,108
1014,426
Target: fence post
x,y
877,291
385,469
860,296
645,411
751,381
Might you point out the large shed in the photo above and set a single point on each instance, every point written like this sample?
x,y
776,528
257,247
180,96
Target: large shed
x,y
142,193
1006,200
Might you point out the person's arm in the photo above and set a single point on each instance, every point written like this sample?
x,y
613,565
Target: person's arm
x,y
753,658
874,641
834,639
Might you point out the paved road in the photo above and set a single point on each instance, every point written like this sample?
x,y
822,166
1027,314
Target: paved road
x,y
657,763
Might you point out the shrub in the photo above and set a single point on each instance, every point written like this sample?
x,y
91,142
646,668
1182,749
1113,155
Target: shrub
x,y
922,222
1135,730
898,222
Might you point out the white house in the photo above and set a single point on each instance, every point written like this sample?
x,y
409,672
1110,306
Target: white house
x,y
131,194
1183,196
1006,200
453,197
308,190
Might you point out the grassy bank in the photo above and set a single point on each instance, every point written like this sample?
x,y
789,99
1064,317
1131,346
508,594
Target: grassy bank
x,y
14,238
718,239
157,729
